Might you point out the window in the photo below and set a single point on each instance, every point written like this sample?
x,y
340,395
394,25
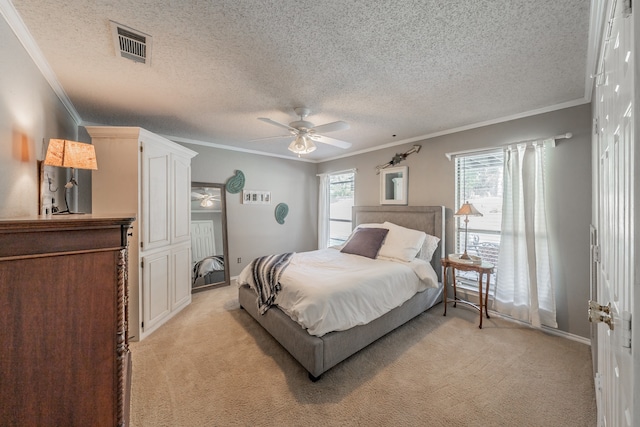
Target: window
x,y
479,181
341,195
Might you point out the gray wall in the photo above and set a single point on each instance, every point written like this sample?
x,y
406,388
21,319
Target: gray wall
x,y
431,182
252,229
29,112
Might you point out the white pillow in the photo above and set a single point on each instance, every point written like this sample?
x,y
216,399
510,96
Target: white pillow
x,y
401,243
428,247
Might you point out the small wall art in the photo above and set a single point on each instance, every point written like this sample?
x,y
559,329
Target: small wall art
x,y
48,187
393,186
236,183
251,197
281,212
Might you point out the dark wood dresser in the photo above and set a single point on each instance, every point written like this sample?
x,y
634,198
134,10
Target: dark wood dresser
x,y
64,352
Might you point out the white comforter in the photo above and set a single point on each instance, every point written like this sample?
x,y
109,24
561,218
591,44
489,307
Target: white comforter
x,y
327,290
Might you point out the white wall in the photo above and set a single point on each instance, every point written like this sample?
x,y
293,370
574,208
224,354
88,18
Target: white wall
x,y
30,112
431,182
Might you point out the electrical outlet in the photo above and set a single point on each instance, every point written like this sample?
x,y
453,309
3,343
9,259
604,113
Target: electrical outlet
x,y
239,260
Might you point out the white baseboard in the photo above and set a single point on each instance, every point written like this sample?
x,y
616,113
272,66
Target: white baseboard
x,y
547,329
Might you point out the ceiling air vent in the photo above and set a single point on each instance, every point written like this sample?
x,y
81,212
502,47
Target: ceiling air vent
x,y
131,44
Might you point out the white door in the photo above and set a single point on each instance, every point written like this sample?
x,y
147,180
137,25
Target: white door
x,y
203,242
615,216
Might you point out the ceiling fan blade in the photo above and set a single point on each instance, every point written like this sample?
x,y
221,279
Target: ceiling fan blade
x,y
331,141
273,122
271,137
331,127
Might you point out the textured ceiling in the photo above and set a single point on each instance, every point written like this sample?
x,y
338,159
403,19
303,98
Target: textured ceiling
x,y
395,70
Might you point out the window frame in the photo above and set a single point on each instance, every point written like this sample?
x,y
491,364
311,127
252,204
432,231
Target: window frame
x,y
333,240
463,192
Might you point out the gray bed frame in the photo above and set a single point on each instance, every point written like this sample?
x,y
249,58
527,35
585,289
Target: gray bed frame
x,y
319,354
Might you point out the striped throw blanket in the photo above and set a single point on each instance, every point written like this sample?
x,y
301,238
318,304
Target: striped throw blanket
x,y
266,276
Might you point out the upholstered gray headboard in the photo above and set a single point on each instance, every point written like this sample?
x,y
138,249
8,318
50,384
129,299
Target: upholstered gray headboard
x,y
429,219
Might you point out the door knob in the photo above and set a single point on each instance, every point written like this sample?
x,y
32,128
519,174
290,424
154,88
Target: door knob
x,y
600,313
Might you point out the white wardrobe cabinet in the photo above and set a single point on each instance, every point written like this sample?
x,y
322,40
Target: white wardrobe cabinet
x,y
143,173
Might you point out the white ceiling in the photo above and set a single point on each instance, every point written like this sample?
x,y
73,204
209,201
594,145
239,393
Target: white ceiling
x,y
395,70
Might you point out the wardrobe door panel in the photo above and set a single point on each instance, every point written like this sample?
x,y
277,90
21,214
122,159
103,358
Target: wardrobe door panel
x,y
182,199
182,276
156,286
156,183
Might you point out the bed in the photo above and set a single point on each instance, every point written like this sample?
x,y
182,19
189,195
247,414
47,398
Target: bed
x,y
209,270
317,354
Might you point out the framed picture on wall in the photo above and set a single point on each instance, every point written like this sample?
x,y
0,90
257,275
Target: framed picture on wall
x,y
393,186
48,187
253,197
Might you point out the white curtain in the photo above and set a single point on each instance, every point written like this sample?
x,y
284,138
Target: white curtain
x,y
524,290
323,211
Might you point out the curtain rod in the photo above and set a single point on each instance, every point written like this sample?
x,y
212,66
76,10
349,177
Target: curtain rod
x,y
354,170
450,156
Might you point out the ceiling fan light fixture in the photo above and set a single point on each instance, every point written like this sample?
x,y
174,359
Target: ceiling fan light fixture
x,y
206,203
306,133
302,145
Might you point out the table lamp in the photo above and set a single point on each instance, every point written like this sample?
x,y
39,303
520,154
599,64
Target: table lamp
x,y
466,210
70,154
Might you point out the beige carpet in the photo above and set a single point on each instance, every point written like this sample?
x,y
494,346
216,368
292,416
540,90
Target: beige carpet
x,y
213,365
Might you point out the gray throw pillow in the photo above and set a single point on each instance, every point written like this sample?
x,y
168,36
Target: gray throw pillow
x,y
366,242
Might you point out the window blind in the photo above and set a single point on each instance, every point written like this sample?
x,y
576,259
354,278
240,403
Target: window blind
x,y
341,194
479,182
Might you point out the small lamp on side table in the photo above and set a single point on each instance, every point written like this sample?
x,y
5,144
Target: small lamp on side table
x,y
466,210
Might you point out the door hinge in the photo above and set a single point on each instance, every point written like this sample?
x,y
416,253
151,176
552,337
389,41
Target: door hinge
x,y
141,264
141,148
596,253
626,329
142,325
595,126
141,245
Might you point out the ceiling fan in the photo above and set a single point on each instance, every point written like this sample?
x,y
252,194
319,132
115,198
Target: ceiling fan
x,y
206,198
306,133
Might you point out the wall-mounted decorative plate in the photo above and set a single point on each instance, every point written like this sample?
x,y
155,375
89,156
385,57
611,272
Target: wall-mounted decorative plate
x,y
281,212
235,184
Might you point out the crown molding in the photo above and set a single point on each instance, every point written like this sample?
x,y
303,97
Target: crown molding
x,y
232,148
530,113
21,31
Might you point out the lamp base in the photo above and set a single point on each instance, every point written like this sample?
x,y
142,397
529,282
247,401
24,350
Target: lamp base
x,y
69,213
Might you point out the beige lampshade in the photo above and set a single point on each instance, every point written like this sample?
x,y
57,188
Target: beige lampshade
x,y
467,210
71,154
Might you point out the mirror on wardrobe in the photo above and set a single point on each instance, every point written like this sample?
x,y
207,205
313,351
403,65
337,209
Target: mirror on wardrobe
x,y
209,249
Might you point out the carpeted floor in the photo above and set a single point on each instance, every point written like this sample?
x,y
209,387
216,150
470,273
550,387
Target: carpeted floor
x,y
213,365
